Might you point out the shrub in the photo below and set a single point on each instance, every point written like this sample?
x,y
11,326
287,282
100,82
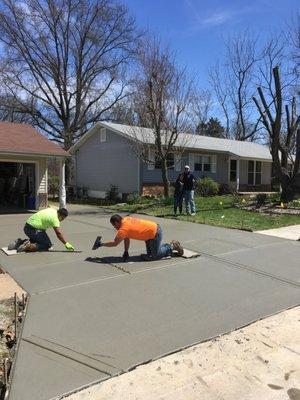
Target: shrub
x,y
113,193
133,198
207,187
274,198
261,199
295,203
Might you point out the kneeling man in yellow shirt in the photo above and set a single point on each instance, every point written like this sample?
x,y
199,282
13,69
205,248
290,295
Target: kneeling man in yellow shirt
x,y
36,226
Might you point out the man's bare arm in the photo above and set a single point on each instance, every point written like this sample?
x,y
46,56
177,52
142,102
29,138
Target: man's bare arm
x,y
126,244
59,235
116,242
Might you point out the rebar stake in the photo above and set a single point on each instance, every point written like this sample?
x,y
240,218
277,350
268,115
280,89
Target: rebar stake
x,y
5,372
16,317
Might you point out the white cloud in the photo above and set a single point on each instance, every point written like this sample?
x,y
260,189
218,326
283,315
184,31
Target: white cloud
x,y
217,18
206,18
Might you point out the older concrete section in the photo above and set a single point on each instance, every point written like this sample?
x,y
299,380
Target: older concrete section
x,y
88,321
287,232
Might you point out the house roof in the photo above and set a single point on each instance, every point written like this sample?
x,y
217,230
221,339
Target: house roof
x,y
24,139
189,141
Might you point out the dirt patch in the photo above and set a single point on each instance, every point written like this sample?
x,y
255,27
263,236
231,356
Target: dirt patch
x,y
6,329
8,287
10,308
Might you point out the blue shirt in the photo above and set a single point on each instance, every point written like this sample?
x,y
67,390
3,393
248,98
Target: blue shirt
x,y
188,181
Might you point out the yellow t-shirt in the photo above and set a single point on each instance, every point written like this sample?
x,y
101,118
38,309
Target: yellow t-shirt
x,y
139,229
44,219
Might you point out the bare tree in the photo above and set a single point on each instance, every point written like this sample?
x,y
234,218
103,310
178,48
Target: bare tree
x,y
284,147
233,86
294,42
201,108
67,58
12,112
220,87
163,93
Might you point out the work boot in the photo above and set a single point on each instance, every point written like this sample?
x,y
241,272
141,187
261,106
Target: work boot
x,y
27,247
176,246
15,244
30,248
23,245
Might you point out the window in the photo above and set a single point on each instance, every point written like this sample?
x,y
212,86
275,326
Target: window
x,y
102,135
198,163
254,172
258,173
233,168
170,162
204,163
251,172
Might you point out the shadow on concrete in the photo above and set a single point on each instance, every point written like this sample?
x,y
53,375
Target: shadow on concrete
x,y
113,259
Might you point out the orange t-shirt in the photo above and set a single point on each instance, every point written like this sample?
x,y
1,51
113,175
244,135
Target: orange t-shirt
x,y
139,229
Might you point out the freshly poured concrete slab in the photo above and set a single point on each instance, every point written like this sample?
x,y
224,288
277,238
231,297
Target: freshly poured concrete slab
x,y
99,313
282,259
213,246
57,276
138,317
41,374
135,263
186,231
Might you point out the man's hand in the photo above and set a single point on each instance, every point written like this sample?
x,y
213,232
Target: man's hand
x,y
69,247
125,256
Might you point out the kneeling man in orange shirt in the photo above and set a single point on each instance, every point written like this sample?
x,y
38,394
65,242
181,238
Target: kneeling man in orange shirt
x,y
148,231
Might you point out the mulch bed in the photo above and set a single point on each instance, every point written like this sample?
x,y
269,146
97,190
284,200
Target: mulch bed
x,y
271,209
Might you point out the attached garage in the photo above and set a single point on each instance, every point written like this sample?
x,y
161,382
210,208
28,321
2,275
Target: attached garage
x,y
24,154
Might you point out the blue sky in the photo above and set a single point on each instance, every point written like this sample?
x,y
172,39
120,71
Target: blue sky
x,y
196,29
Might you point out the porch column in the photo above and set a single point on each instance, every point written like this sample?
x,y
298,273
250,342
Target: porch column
x,y
62,184
238,174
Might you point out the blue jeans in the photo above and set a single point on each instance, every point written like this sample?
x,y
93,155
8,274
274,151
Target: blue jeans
x,y
156,249
40,238
189,201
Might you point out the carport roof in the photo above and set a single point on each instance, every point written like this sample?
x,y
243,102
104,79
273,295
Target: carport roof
x,y
24,139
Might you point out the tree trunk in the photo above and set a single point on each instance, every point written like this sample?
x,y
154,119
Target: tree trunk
x,y
165,178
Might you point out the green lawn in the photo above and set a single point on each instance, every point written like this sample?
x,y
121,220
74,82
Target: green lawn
x,y
217,211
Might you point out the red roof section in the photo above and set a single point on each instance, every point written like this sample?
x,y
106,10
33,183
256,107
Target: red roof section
x,y
23,138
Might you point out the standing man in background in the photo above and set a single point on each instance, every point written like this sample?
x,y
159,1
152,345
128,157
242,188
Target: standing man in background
x,y
178,194
189,190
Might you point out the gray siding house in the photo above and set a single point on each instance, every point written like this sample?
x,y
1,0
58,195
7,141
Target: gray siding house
x,y
108,155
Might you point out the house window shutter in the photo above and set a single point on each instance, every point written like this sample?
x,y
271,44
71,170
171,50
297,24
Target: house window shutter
x,y
102,135
213,164
177,160
151,162
191,161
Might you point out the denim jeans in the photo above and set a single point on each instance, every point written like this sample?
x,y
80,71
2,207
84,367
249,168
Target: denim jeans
x,y
156,249
178,199
189,201
40,238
